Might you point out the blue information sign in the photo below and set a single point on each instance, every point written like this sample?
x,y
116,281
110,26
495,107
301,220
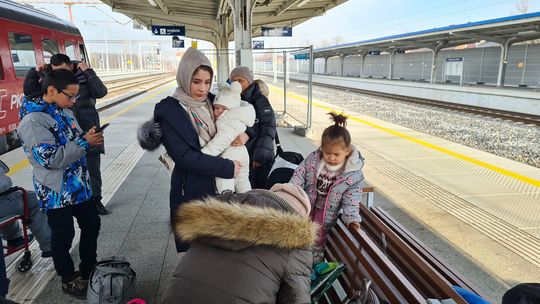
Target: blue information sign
x,y
168,30
258,44
454,59
301,56
374,52
178,43
276,31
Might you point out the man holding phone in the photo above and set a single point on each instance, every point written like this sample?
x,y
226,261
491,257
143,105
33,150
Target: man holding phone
x,y
90,89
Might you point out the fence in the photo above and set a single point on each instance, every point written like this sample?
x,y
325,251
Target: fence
x,y
132,55
292,101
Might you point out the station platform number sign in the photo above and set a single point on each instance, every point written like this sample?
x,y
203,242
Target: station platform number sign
x,y
177,42
168,30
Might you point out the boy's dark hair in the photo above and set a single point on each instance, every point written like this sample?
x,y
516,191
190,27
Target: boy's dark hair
x,y
337,132
59,59
59,79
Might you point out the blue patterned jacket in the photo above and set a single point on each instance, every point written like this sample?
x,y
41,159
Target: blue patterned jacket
x,y
54,144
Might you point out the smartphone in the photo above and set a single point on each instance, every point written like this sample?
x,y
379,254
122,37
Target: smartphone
x,y
103,127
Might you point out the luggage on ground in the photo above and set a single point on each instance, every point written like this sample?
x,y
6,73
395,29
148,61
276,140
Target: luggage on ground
x,y
112,282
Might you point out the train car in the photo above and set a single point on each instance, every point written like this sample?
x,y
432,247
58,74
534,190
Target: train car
x,y
28,37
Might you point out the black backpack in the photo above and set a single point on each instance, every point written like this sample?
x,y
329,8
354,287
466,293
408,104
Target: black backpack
x,y
526,293
284,165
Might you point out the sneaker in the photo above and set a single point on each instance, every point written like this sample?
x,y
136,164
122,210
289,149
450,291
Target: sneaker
x,y
46,254
101,210
76,287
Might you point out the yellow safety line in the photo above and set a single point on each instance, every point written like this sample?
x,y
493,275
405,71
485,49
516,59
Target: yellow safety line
x,y
25,163
525,179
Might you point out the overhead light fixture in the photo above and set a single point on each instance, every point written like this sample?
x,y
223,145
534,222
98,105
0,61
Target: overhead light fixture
x,y
152,3
300,4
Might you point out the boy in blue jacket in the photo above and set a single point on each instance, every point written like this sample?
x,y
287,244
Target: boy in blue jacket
x,y
56,147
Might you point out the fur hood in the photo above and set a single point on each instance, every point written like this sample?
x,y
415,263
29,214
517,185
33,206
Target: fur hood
x,y
235,226
149,135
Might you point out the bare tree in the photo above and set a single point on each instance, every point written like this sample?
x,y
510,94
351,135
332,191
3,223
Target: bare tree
x,y
522,7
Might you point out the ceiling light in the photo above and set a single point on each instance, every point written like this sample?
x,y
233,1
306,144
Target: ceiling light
x,y
152,3
300,4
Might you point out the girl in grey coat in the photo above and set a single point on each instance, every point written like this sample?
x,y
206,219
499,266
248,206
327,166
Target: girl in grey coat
x,y
245,248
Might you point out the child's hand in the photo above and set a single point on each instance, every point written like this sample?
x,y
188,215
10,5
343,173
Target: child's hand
x,y
354,226
93,138
237,166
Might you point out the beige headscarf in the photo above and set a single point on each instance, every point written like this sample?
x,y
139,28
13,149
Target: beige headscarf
x,y
202,121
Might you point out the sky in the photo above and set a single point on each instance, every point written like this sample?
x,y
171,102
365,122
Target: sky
x,y
355,20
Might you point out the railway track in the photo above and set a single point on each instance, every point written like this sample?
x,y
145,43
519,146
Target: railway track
x,y
130,82
506,115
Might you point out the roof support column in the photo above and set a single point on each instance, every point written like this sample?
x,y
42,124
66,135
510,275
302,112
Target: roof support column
x,y
242,32
223,50
392,60
434,59
341,62
325,72
363,57
505,46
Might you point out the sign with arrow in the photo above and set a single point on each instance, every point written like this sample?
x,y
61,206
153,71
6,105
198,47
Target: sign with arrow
x,y
168,30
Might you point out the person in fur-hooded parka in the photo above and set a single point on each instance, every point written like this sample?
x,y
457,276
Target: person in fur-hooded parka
x,y
184,123
253,247
233,116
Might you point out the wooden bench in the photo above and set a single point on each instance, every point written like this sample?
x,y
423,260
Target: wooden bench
x,y
401,268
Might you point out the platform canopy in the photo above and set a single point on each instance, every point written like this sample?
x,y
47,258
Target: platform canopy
x,y
203,18
512,29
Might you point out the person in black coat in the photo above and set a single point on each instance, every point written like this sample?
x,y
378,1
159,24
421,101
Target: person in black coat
x,y
184,123
90,89
259,139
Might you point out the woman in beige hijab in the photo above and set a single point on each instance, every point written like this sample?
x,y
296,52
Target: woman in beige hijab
x,y
184,123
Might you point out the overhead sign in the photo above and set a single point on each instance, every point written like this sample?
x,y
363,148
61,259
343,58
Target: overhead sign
x,y
276,31
399,51
454,59
177,42
168,30
258,44
301,56
374,52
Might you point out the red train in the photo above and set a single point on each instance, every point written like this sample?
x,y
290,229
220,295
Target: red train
x,y
28,37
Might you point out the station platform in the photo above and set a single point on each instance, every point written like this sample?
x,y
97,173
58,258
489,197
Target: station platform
x,y
478,211
520,100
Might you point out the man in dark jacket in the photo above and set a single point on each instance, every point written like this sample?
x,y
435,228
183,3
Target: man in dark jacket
x,y
90,88
259,139
245,248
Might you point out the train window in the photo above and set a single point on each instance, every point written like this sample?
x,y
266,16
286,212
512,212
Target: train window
x,y
50,47
22,53
82,51
70,49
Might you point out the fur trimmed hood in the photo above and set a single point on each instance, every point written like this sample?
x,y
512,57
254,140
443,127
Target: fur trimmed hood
x,y
244,224
149,135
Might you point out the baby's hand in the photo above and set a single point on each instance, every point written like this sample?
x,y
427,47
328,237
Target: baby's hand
x,y
354,226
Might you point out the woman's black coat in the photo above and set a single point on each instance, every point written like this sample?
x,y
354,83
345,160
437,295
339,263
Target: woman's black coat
x,y
194,172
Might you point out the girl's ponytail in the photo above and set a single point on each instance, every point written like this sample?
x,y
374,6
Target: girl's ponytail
x,y
337,132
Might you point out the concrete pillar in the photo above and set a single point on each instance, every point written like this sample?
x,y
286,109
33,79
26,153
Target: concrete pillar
x,y
242,32
341,61
436,51
363,55
325,65
222,50
503,61
391,68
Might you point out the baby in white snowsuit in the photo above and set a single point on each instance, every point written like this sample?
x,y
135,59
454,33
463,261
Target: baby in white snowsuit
x,y
233,116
